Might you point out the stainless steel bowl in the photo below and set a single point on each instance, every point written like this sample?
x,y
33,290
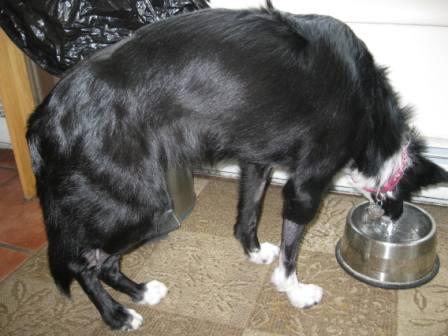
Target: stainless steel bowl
x,y
386,254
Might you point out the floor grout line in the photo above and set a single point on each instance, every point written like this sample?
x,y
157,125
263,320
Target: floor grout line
x,y
16,248
7,166
3,183
29,255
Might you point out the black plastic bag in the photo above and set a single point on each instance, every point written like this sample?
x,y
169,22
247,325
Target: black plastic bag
x,y
56,34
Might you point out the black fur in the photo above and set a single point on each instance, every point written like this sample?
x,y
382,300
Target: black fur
x,y
267,88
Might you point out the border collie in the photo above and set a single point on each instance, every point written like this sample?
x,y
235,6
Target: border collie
x,y
264,87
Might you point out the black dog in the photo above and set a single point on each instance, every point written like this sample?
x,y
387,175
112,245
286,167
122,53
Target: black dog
x,y
270,89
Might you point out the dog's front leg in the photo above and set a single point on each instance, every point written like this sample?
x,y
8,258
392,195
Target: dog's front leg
x,y
301,201
253,184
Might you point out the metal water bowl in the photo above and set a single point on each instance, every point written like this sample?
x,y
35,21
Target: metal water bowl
x,y
387,254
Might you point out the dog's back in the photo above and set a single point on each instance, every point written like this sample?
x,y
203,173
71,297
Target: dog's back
x,y
201,72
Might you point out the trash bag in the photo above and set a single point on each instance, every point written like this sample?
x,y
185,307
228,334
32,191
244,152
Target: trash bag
x,y
56,34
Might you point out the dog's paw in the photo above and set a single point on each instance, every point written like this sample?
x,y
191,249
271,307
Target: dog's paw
x,y
133,322
304,296
299,294
154,292
265,255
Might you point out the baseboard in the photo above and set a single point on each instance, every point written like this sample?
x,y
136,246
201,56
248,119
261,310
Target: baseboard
x,y
5,145
5,141
436,195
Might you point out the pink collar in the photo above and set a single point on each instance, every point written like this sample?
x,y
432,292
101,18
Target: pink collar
x,y
395,178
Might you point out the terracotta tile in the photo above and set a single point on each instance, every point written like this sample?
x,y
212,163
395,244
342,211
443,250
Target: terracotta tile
x,y
9,261
6,174
7,158
21,221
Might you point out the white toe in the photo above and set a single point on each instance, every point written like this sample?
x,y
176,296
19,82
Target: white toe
x,y
265,255
299,294
154,292
304,296
135,323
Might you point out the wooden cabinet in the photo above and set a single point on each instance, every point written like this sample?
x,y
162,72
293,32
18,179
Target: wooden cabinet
x,y
18,103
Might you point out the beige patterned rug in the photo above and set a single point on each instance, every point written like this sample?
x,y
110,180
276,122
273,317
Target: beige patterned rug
x,y
214,290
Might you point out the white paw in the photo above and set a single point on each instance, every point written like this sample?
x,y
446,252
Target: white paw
x,y
299,294
154,292
265,255
304,296
136,320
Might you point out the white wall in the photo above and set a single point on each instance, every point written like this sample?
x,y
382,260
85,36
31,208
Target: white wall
x,y
5,141
417,58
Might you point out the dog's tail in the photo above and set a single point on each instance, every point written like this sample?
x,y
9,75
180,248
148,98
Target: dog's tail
x,y
59,265
34,147
58,247
33,137
62,243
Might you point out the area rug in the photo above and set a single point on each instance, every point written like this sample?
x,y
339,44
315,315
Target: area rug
x,y
215,290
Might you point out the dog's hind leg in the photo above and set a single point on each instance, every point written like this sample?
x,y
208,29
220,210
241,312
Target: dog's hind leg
x,y
150,293
112,312
253,184
301,201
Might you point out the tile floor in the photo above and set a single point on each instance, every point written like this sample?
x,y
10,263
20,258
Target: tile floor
x,y
22,231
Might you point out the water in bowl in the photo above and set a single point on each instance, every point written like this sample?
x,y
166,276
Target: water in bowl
x,y
411,226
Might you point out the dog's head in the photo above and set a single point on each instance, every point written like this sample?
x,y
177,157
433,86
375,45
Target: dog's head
x,y
420,173
401,177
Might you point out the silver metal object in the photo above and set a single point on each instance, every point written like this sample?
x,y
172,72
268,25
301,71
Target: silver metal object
x,y
388,254
181,189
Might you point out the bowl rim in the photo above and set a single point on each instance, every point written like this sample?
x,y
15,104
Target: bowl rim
x,y
430,235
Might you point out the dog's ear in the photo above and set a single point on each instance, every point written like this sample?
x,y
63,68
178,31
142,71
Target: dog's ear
x,y
428,173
